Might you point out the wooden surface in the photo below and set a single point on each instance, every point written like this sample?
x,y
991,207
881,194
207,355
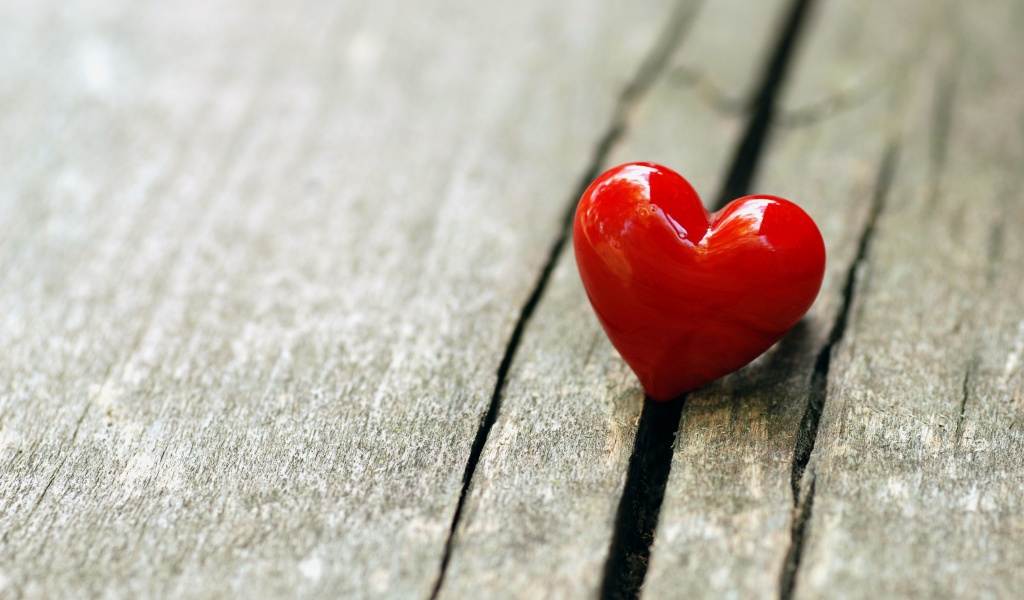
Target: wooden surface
x,y
276,278
260,266
740,452
919,464
542,507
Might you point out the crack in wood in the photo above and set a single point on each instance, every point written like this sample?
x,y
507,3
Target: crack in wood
x,y
651,461
640,505
647,74
748,153
57,470
809,423
798,533
964,397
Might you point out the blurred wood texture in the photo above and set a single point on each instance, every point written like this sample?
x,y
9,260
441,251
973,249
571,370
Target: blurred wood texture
x,y
288,306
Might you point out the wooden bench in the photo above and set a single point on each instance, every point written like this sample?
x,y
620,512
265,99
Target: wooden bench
x,y
288,306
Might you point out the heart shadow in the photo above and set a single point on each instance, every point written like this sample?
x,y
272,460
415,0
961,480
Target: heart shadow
x,y
767,382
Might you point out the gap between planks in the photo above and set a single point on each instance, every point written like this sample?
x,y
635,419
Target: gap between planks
x,y
808,432
651,462
646,76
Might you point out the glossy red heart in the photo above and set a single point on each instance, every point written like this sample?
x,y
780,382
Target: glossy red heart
x,y
687,296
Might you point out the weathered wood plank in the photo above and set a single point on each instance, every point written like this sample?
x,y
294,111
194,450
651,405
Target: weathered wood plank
x,y
259,265
725,526
538,521
919,462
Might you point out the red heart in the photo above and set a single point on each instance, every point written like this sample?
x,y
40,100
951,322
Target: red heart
x,y
686,296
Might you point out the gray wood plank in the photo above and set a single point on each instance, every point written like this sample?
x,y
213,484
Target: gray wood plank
x,y
919,462
258,266
726,522
539,517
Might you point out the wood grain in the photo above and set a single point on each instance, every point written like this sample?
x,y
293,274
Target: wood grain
x,y
260,263
920,457
726,523
258,266
542,505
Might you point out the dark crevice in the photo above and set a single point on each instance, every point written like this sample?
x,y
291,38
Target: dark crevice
x,y
748,153
964,396
798,534
808,431
647,74
656,62
640,505
651,461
